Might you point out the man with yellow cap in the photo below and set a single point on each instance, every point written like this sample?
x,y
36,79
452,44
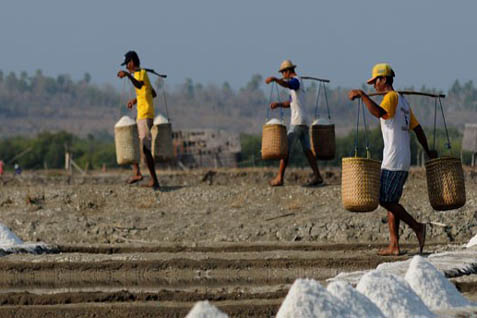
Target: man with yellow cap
x,y
298,124
397,119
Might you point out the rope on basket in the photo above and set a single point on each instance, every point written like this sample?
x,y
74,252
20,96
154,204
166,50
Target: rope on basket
x,y
274,86
322,84
356,140
436,101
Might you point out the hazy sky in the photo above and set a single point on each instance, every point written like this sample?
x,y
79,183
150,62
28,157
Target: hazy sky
x,y
431,42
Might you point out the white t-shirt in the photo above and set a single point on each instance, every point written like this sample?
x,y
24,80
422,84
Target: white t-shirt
x,y
297,102
395,127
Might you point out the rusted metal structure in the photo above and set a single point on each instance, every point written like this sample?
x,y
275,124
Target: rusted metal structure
x,y
206,148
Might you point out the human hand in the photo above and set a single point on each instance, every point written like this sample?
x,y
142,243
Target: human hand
x,y
131,103
121,74
275,105
355,93
270,79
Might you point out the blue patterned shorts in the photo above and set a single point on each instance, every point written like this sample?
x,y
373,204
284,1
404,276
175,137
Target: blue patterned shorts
x,y
392,183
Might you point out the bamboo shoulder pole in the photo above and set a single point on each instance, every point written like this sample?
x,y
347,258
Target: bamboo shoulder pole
x,y
315,79
412,93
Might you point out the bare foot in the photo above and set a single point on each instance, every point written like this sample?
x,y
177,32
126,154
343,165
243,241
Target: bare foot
x,y
316,181
277,182
421,237
390,251
154,185
134,179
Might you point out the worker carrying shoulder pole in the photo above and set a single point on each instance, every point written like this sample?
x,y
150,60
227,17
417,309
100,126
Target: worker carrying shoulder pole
x,y
298,124
145,114
396,118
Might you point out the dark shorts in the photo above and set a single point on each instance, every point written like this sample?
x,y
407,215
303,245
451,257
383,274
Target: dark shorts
x,y
392,183
300,132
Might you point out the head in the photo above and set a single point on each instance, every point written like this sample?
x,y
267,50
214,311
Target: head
x,y
382,77
287,69
131,60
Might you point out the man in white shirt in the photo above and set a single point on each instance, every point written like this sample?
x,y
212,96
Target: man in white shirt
x,y
298,125
397,119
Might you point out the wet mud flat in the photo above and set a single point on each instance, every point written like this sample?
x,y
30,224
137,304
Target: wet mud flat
x,y
225,236
243,280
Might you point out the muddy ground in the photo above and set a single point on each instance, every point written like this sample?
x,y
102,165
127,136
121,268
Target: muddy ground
x,y
222,235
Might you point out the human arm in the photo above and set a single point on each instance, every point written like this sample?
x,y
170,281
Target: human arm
x,y
280,81
421,137
135,82
373,108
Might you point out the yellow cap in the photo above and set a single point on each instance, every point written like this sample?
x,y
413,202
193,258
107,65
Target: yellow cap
x,y
382,69
286,65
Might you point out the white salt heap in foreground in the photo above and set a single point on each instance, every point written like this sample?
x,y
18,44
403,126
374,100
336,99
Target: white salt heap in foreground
x,y
358,304
160,120
472,242
308,299
432,286
392,295
203,309
274,121
7,237
125,121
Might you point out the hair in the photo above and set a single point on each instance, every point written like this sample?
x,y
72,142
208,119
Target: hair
x,y
389,80
136,61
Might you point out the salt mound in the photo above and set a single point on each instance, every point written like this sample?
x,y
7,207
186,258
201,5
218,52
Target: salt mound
x,y
322,121
203,309
432,286
125,121
392,295
472,242
274,121
160,120
358,304
308,299
7,237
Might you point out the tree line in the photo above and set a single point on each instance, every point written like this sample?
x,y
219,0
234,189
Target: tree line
x,y
34,97
47,150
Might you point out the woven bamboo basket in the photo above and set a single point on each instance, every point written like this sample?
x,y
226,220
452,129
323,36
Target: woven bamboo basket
x,y
274,142
360,182
126,140
445,183
162,149
323,142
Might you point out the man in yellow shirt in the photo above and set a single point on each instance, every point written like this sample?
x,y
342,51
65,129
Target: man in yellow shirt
x,y
397,119
145,94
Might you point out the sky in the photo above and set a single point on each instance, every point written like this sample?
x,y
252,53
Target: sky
x,y
428,42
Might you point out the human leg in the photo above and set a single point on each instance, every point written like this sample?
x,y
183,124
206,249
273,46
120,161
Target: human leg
x,y
278,180
304,136
153,183
399,212
137,176
392,183
144,130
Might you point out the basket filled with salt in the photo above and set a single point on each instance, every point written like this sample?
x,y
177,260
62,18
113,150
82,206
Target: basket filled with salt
x,y
274,140
360,177
126,141
323,143
445,176
162,148
322,131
